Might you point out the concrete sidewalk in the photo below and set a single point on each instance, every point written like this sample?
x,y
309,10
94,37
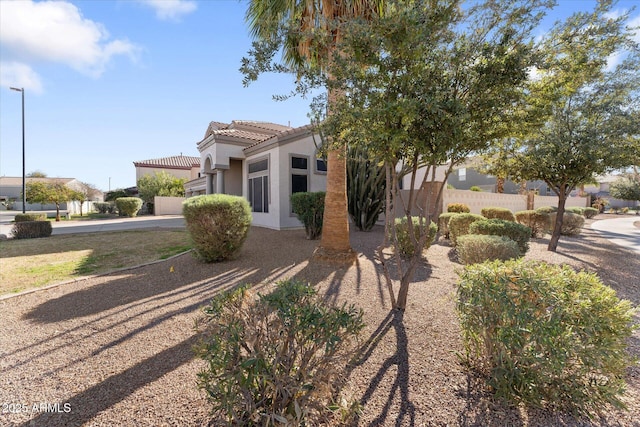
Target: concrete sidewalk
x,y
116,224
620,231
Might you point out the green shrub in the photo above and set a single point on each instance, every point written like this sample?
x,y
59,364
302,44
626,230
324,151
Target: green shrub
x,y
590,212
538,222
30,217
576,210
499,227
218,225
443,223
275,359
406,247
571,223
309,208
498,213
459,225
104,207
545,335
547,209
475,188
476,248
128,206
31,229
458,208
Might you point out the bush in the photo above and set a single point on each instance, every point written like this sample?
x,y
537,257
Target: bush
x,y
498,213
475,188
128,206
309,208
459,225
476,248
274,359
458,208
545,335
406,247
571,223
31,229
218,225
547,209
538,222
590,212
104,207
443,223
576,210
498,227
30,217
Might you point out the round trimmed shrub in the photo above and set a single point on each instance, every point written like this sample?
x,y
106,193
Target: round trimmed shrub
x,y
499,227
538,222
590,212
498,213
218,225
128,206
546,335
477,248
576,210
30,217
443,223
547,209
31,229
406,247
458,208
459,225
309,208
571,223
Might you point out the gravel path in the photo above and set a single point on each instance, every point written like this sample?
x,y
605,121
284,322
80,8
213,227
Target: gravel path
x,y
115,350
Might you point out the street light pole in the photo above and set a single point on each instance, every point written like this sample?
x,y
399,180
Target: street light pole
x,y
24,180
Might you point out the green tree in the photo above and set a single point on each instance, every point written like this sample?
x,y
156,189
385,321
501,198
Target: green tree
x,y
79,196
308,33
41,192
160,184
428,84
627,187
582,110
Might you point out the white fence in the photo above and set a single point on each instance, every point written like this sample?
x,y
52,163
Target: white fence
x,y
167,205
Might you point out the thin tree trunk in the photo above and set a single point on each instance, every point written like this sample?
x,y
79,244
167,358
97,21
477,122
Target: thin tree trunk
x,y
557,228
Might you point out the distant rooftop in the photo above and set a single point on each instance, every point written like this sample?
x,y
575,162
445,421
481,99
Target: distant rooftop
x,y
173,162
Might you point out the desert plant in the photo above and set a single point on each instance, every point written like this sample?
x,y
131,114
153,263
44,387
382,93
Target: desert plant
x,y
104,207
274,359
499,227
576,210
366,185
477,248
30,217
538,222
475,188
458,208
545,335
547,209
498,213
309,208
590,212
571,225
459,225
443,223
406,245
218,225
31,229
128,206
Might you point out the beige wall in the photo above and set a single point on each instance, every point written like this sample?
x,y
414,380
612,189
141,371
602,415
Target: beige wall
x,y
167,205
178,173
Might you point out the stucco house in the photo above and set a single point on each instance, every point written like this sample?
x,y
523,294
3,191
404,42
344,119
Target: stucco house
x,y
11,194
185,167
263,162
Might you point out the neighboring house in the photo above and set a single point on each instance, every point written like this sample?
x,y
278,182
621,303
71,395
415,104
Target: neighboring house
x,y
11,193
184,167
601,190
263,162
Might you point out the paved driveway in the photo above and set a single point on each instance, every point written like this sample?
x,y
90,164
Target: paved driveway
x,y
620,231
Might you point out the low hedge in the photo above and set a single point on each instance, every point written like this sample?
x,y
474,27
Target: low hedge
x,y
498,213
590,212
458,208
576,210
459,225
443,223
309,208
499,227
30,217
547,209
538,222
128,206
477,248
546,335
406,247
571,223
31,229
218,225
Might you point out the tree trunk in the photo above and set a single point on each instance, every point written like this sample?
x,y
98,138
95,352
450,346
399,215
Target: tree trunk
x,y
57,212
500,185
557,227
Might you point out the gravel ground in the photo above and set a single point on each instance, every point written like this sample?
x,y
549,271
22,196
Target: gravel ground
x,y
116,350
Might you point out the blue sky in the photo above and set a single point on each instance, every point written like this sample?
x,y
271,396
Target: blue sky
x,y
111,82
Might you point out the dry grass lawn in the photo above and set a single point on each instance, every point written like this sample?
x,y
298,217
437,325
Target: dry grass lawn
x,y
30,263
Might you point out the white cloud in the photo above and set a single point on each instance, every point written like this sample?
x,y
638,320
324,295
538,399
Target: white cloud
x,y
15,74
171,9
56,31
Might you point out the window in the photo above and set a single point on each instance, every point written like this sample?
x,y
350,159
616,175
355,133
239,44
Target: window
x,y
462,174
259,185
299,174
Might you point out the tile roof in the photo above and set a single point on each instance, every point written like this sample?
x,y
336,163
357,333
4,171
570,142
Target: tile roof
x,y
174,162
236,133
273,127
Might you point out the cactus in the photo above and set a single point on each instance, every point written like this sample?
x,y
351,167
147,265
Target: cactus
x,y
365,188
